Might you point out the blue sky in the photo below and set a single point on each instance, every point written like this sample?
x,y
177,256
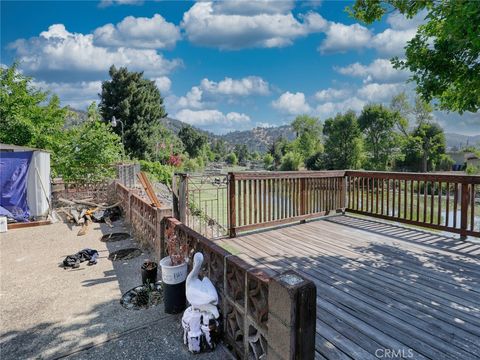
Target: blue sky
x,y
221,66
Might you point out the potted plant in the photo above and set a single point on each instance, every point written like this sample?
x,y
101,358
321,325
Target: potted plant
x,y
149,272
174,273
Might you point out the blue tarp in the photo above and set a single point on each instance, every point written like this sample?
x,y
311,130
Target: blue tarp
x,y
13,183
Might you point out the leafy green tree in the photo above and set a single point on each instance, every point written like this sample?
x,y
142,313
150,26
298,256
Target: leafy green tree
x,y
378,125
88,151
137,102
343,144
277,149
268,161
242,152
422,111
425,149
317,161
291,161
309,133
443,55
193,140
28,116
219,148
403,110
231,159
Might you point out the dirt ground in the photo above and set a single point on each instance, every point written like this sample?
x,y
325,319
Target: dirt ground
x,y
47,312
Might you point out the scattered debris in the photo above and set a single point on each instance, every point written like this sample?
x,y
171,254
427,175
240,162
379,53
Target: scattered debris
x,y
125,254
149,189
73,261
142,297
84,212
112,237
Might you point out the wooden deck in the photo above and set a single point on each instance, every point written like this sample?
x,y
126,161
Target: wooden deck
x,y
380,287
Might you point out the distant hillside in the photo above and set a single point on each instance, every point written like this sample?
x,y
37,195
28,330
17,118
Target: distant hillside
x,y
175,126
460,141
258,139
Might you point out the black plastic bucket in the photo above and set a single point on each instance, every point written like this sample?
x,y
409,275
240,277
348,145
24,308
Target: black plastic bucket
x,y
174,298
149,273
173,282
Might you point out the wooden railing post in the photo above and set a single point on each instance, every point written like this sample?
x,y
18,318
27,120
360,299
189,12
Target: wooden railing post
x,y
231,205
343,194
464,210
302,196
181,210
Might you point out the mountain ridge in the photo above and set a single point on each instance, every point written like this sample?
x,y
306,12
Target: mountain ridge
x,y
259,138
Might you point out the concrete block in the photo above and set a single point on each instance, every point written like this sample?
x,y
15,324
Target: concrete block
x,y
292,316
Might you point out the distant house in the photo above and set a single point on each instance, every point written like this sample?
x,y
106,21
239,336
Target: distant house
x,y
472,159
462,159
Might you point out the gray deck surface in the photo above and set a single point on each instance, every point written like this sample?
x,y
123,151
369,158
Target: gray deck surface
x,y
381,288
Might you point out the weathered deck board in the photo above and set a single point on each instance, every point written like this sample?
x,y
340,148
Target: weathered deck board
x,y
379,286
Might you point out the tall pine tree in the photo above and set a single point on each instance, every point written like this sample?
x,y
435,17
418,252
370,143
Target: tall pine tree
x,y
137,102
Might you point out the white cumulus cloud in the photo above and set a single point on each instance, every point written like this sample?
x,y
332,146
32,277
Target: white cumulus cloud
x,y
218,25
379,93
331,108
78,95
253,7
331,94
138,32
250,85
106,3
163,84
60,51
292,103
341,37
193,99
380,70
210,117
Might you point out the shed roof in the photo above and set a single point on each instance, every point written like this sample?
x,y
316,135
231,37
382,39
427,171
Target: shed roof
x,y
8,147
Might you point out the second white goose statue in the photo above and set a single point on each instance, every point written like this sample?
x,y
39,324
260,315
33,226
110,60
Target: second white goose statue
x,y
201,294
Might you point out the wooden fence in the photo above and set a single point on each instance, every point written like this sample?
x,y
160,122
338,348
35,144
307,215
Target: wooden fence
x,y
438,201
262,199
443,202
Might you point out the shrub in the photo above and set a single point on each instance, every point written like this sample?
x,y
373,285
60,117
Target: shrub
x,y
231,159
161,173
268,161
316,162
291,161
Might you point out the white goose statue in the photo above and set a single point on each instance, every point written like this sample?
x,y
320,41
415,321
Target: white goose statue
x,y
201,294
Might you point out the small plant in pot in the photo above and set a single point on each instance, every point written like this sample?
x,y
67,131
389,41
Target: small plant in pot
x,y
174,273
149,272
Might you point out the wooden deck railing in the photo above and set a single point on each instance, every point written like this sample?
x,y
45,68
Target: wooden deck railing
x,y
438,201
261,199
443,202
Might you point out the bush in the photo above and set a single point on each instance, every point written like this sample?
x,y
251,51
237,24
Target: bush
x,y
291,161
446,163
193,165
231,159
161,173
316,162
268,161
87,153
472,170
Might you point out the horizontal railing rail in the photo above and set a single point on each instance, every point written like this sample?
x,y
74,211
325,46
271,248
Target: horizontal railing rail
x,y
262,199
438,201
447,202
